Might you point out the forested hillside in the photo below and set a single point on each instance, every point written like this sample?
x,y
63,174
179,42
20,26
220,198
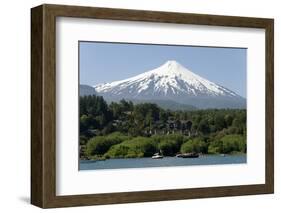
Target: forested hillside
x,y
124,130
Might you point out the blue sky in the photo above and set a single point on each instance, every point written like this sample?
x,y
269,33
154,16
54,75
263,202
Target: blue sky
x,y
105,62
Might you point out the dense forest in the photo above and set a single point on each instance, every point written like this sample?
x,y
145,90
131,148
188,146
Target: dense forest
x,y
127,130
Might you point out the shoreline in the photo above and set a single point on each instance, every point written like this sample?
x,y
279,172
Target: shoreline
x,y
200,156
149,163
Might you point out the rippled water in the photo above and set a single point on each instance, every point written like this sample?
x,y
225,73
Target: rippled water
x,y
164,162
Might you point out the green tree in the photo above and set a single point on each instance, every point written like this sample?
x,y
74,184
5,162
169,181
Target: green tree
x,y
228,119
136,147
228,144
203,127
99,145
194,145
167,147
219,122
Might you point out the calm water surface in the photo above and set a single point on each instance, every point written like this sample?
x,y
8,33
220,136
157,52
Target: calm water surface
x,y
164,162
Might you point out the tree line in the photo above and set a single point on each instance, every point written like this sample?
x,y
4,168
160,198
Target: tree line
x,y
124,129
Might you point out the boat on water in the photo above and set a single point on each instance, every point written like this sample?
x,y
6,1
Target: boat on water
x,y
188,155
157,156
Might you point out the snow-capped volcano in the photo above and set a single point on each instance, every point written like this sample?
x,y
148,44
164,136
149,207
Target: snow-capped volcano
x,y
171,81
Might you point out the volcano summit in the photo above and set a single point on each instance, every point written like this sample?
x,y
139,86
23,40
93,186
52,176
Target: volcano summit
x,y
171,82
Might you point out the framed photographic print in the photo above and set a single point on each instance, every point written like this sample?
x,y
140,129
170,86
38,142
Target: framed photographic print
x,y
136,106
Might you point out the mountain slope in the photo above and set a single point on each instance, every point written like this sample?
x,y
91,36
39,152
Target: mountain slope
x,y
172,81
166,104
86,90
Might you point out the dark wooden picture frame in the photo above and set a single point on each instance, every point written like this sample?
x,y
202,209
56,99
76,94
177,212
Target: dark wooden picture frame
x,y
43,105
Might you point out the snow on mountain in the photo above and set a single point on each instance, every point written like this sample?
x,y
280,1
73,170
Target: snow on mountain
x,y
171,81
170,78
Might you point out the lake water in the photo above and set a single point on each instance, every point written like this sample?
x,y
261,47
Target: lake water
x,y
164,162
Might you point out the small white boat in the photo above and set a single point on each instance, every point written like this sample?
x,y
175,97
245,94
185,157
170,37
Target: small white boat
x,y
157,156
